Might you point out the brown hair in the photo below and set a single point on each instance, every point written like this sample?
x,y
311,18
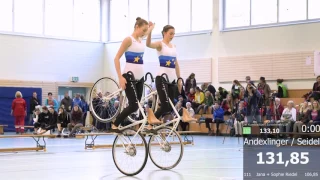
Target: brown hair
x,y
140,22
166,29
237,83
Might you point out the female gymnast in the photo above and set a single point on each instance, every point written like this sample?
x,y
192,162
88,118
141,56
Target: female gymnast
x,y
134,50
168,64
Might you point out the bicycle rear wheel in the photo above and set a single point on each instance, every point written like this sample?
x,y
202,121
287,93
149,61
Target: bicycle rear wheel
x,y
165,148
105,99
129,154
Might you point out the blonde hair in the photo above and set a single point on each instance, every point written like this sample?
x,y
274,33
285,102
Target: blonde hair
x,y
302,108
318,108
291,102
18,94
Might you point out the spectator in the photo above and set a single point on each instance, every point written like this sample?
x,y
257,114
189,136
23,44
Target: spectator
x,y
252,97
85,107
277,110
191,95
66,103
239,118
288,117
52,123
218,98
282,90
19,111
182,101
302,118
242,92
76,120
218,117
33,103
223,92
248,81
62,120
316,89
315,113
204,87
77,101
227,105
190,82
265,91
43,121
182,124
235,89
208,102
190,110
198,98
51,102
212,91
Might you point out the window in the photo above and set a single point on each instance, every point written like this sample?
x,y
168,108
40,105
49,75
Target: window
x,y
158,13
202,15
28,16
180,13
264,12
6,15
313,8
118,20
58,17
237,13
292,10
137,8
87,19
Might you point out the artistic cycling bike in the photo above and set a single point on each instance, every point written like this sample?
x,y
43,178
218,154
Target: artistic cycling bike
x,y
107,101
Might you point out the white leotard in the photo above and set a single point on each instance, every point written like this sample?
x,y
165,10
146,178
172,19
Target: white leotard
x,y
134,59
167,57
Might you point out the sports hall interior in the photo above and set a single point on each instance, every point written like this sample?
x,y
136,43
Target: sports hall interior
x,y
63,47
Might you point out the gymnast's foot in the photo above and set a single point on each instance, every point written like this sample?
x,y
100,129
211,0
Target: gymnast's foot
x,y
114,129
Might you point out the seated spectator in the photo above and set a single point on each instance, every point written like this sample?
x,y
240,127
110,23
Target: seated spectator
x,y
208,102
277,110
191,95
62,120
213,91
282,89
218,114
182,101
223,92
235,89
182,124
45,117
289,117
239,117
218,97
302,118
314,115
252,97
198,98
190,110
53,121
227,105
76,120
204,87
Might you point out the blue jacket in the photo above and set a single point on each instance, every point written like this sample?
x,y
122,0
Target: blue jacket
x,y
78,102
218,113
55,104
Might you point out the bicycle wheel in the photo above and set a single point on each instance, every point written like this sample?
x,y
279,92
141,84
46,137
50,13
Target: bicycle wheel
x,y
165,148
104,100
129,155
146,101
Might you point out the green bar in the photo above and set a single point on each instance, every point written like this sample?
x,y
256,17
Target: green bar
x,y
246,130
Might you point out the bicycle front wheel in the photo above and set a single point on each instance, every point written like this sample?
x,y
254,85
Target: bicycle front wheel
x,y
166,148
129,152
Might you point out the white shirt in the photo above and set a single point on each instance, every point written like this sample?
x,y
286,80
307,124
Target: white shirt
x,y
293,112
134,59
167,57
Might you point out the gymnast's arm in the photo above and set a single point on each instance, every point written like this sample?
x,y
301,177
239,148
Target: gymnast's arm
x,y
124,46
153,45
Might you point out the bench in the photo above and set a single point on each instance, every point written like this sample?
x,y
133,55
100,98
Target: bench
x,y
36,138
1,129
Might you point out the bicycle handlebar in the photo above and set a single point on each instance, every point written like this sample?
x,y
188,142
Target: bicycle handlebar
x,y
146,77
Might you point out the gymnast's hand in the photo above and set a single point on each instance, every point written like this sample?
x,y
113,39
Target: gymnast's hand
x,y
151,26
122,82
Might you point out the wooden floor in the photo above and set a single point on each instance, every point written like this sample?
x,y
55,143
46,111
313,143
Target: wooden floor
x,y
67,159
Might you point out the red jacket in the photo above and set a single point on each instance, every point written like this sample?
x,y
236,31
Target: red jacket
x,y
19,107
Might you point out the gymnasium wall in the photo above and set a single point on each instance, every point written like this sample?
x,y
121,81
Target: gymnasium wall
x,y
41,59
293,38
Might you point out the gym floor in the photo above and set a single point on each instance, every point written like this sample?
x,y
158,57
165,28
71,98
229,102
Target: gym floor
x,y
67,159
